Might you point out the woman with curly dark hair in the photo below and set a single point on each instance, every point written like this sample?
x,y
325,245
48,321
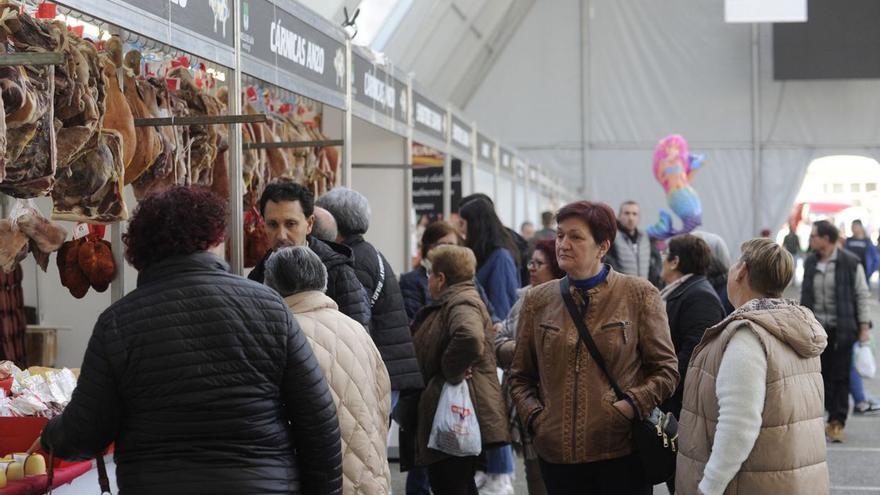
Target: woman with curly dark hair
x,y
202,378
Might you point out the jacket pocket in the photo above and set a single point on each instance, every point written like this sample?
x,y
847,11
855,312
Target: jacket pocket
x,y
548,327
616,325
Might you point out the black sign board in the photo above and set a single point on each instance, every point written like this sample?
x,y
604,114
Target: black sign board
x,y
275,36
256,15
428,117
427,190
156,7
378,90
210,18
461,136
485,148
506,158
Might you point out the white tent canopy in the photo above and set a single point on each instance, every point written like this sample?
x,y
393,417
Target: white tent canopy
x,y
587,87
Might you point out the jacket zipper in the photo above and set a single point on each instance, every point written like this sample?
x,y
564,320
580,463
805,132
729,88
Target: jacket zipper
x,y
574,407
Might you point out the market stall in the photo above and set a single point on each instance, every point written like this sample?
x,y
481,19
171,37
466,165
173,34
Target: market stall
x,y
379,157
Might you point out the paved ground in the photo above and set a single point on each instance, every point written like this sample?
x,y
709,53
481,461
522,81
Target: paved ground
x,y
855,465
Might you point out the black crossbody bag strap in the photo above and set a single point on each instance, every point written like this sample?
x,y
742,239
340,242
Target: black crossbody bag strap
x,y
585,337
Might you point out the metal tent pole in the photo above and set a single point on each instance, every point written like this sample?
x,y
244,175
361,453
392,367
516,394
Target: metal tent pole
x,y
236,186
447,169
346,130
475,155
756,129
407,180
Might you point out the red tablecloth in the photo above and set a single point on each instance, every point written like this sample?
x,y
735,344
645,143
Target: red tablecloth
x,y
33,485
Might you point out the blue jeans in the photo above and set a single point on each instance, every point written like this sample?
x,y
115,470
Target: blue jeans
x,y
499,460
856,386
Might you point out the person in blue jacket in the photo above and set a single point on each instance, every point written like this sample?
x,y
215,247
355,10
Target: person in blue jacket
x,y
497,254
860,245
498,260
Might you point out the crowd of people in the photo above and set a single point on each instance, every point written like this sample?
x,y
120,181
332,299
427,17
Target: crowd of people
x,y
286,383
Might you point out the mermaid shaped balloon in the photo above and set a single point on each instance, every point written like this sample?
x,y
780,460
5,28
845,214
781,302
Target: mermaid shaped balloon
x,y
674,167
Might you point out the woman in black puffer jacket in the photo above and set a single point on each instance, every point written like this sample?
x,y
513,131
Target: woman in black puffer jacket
x,y
202,378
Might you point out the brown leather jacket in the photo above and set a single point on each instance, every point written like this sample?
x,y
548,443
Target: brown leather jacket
x,y
558,389
453,334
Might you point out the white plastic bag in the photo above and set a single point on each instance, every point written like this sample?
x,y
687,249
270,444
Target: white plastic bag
x,y
864,359
455,430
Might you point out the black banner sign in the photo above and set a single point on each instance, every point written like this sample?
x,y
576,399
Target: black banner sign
x,y
428,117
210,18
485,148
275,36
506,158
427,190
378,90
462,137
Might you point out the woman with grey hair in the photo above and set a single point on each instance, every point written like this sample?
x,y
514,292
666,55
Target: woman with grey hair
x,y
351,363
389,323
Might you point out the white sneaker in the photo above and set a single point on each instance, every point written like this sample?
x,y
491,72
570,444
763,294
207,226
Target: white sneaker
x,y
480,479
498,484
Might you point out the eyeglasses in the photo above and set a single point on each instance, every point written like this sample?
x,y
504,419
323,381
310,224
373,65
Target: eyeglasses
x,y
535,264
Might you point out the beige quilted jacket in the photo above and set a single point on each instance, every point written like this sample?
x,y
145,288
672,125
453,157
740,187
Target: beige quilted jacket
x,y
360,386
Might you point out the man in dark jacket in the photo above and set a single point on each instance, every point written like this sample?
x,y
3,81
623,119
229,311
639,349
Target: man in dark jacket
x,y
389,325
288,210
202,378
835,290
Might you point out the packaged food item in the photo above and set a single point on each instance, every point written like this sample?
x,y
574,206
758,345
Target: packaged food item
x,y
43,393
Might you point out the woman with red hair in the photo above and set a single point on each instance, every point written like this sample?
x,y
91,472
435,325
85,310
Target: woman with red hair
x,y
581,428
202,378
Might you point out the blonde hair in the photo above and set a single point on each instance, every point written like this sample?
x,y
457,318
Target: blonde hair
x,y
771,267
456,262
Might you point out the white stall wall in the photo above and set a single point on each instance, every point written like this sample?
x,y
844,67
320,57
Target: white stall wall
x,y
504,201
520,204
535,208
486,181
466,183
383,188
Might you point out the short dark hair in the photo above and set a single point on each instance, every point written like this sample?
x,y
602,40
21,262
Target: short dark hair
x,y
287,190
548,248
627,203
433,233
694,255
824,228
523,225
857,222
546,218
599,218
174,222
475,197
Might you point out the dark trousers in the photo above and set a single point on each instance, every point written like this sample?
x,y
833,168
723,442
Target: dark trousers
x,y
623,476
836,364
453,476
417,481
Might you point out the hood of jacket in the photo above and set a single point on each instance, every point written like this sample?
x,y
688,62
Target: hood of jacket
x,y
786,320
332,254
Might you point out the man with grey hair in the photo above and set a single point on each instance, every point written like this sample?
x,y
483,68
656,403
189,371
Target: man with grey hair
x,y
389,324
358,378
325,225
